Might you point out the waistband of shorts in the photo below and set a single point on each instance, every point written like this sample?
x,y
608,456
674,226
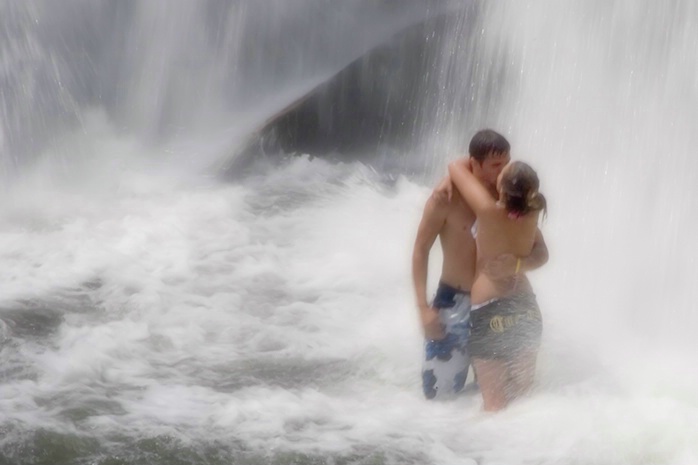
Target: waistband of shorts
x,y
484,304
508,299
449,288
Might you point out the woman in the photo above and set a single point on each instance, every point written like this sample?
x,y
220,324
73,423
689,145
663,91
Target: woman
x,y
505,321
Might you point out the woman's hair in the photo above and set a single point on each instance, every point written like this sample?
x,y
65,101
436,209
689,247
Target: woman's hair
x,y
520,194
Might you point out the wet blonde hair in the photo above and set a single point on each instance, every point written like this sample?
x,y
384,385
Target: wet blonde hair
x,y
519,190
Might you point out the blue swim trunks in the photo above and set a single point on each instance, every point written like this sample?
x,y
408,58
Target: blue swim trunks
x,y
446,362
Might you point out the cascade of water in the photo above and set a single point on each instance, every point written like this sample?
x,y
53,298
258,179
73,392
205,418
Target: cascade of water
x,y
168,69
150,317
602,98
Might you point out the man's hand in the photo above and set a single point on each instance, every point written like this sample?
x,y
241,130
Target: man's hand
x,y
433,329
501,266
443,192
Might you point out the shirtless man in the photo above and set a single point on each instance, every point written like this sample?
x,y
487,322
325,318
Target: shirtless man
x,y
448,217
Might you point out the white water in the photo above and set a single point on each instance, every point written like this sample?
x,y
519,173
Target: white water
x,y
276,315
604,103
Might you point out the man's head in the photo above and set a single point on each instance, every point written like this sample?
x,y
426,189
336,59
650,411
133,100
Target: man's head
x,y
489,154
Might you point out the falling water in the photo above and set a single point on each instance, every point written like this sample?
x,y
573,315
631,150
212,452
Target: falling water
x,y
153,313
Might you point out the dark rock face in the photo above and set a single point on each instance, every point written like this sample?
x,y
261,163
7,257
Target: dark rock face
x,y
177,70
372,101
383,101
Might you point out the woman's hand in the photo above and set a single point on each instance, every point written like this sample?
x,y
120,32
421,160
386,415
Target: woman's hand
x,y
443,193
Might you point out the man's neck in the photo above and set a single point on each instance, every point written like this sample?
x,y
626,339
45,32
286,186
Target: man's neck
x,y
493,191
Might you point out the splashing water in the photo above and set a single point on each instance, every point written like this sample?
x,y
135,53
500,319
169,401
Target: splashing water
x,y
154,314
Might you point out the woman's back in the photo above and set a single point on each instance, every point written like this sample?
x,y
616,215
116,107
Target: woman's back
x,y
507,225
497,234
505,321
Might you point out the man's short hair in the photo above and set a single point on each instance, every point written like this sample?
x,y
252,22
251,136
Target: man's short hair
x,y
487,141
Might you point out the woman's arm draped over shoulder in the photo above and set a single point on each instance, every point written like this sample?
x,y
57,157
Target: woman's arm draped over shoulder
x,y
474,193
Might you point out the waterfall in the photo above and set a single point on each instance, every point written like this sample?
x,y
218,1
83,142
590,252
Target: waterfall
x,y
171,70
154,311
602,98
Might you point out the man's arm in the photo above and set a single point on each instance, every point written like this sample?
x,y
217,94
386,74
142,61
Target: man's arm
x,y
433,219
506,264
538,256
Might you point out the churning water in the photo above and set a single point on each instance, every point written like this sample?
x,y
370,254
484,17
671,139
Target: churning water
x,y
153,313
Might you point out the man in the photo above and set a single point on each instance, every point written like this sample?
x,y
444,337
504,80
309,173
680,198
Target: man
x,y
448,217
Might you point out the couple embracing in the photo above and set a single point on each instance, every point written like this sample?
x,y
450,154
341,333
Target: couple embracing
x,y
485,214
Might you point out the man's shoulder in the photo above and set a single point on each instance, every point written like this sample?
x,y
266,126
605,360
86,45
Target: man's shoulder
x,y
445,198
439,200
454,210
454,204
